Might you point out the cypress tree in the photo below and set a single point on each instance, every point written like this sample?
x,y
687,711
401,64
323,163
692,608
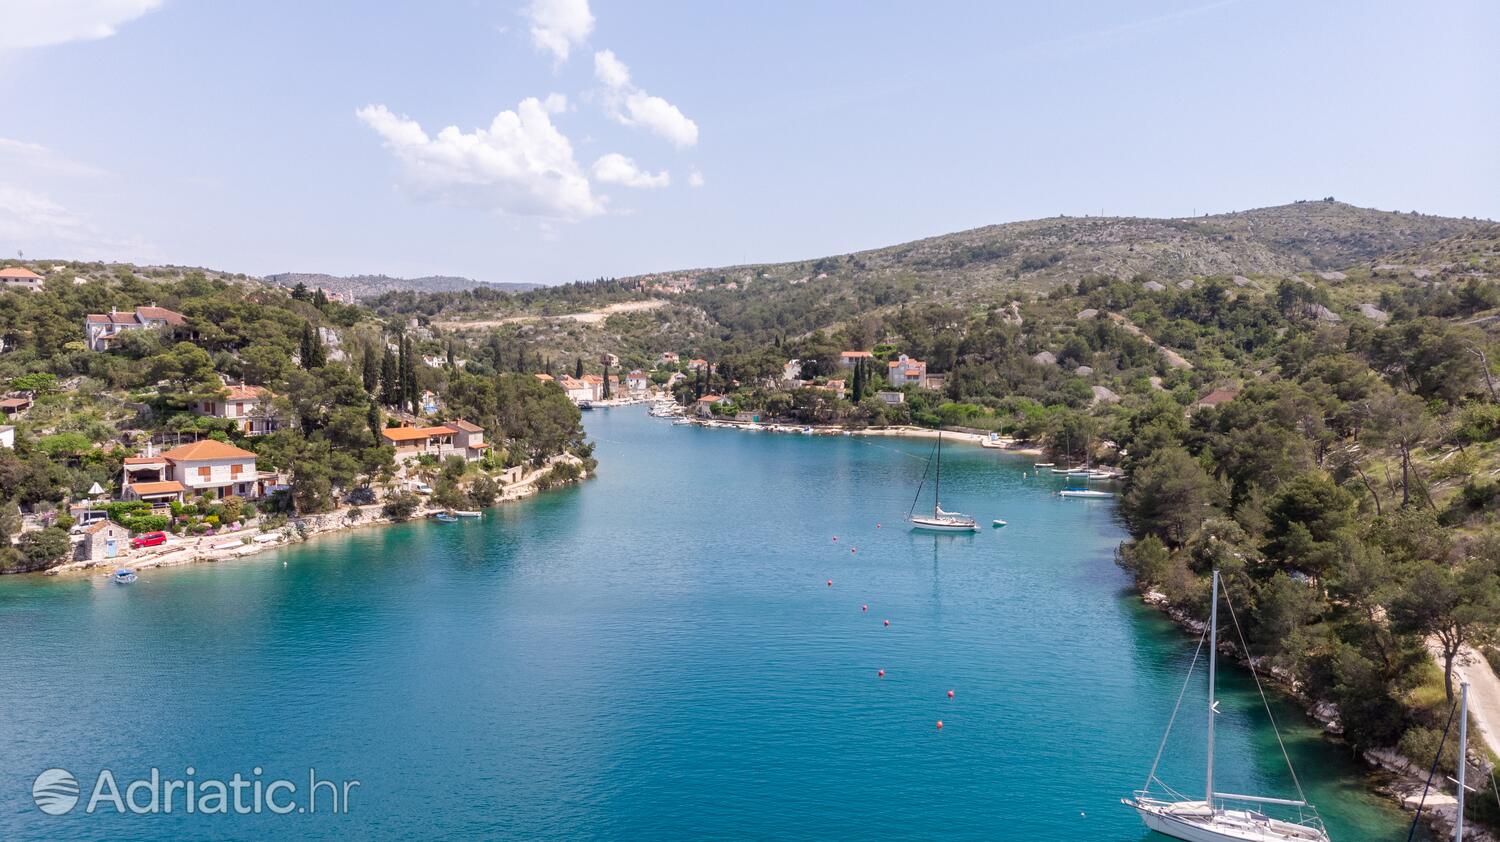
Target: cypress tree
x,y
606,379
859,380
372,417
578,369
320,299
369,370
390,378
410,381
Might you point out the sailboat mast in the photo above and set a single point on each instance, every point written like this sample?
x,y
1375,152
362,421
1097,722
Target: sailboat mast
x,y
1463,757
1213,646
937,486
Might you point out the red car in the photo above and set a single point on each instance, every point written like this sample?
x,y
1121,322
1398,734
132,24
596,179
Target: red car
x,y
149,539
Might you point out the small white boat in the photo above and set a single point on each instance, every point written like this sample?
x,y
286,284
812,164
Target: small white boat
x,y
940,521
123,576
999,523
1219,816
1087,493
1043,464
468,513
1062,470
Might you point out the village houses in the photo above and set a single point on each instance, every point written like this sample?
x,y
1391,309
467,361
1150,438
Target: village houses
x,y
849,359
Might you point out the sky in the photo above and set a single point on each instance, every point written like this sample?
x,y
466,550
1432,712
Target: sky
x,y
546,141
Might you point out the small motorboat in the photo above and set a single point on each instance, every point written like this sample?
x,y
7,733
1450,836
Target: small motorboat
x,y
1044,464
467,513
123,576
1087,493
445,517
999,523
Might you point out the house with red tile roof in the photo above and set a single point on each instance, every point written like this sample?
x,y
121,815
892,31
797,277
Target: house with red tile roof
x,y
208,467
100,329
848,359
19,277
250,406
904,370
456,438
1215,398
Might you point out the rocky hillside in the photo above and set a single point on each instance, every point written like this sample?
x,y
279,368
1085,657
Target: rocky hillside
x,y
369,286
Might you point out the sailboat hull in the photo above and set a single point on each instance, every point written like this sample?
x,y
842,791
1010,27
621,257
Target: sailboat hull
x,y
1193,823
943,525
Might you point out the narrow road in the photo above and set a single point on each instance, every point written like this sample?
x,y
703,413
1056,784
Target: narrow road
x,y
1484,694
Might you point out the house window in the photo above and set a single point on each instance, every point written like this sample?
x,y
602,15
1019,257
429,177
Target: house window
x,y
234,470
204,472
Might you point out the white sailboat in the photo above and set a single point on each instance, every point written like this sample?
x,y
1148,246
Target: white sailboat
x,y
1220,816
940,521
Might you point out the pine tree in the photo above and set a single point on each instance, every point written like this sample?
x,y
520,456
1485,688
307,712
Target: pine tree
x,y
299,292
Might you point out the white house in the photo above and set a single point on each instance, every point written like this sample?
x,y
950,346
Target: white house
x,y
791,371
214,469
849,359
100,329
637,381
456,438
8,437
905,370
704,406
19,277
891,398
248,405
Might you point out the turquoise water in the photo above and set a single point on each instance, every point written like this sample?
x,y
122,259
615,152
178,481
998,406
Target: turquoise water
x,y
655,654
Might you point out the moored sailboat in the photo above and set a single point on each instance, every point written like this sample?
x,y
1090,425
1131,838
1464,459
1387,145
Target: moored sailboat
x,y
939,521
1220,816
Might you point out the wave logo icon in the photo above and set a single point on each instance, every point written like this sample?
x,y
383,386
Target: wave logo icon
x,y
55,791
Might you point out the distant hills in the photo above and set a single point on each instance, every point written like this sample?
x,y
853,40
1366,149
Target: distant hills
x,y
369,286
1039,254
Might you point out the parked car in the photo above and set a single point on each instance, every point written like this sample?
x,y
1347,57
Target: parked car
x,y
424,488
148,539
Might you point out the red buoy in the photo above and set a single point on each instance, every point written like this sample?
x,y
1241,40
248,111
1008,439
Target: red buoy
x,y
853,549
877,526
864,608
950,694
888,622
830,583
940,724
835,537
880,673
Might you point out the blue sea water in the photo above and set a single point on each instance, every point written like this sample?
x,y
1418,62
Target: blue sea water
x,y
655,654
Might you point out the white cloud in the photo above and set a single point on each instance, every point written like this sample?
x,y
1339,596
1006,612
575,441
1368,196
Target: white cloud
x,y
631,106
521,164
33,222
558,25
23,156
615,168
42,23
695,179
555,103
